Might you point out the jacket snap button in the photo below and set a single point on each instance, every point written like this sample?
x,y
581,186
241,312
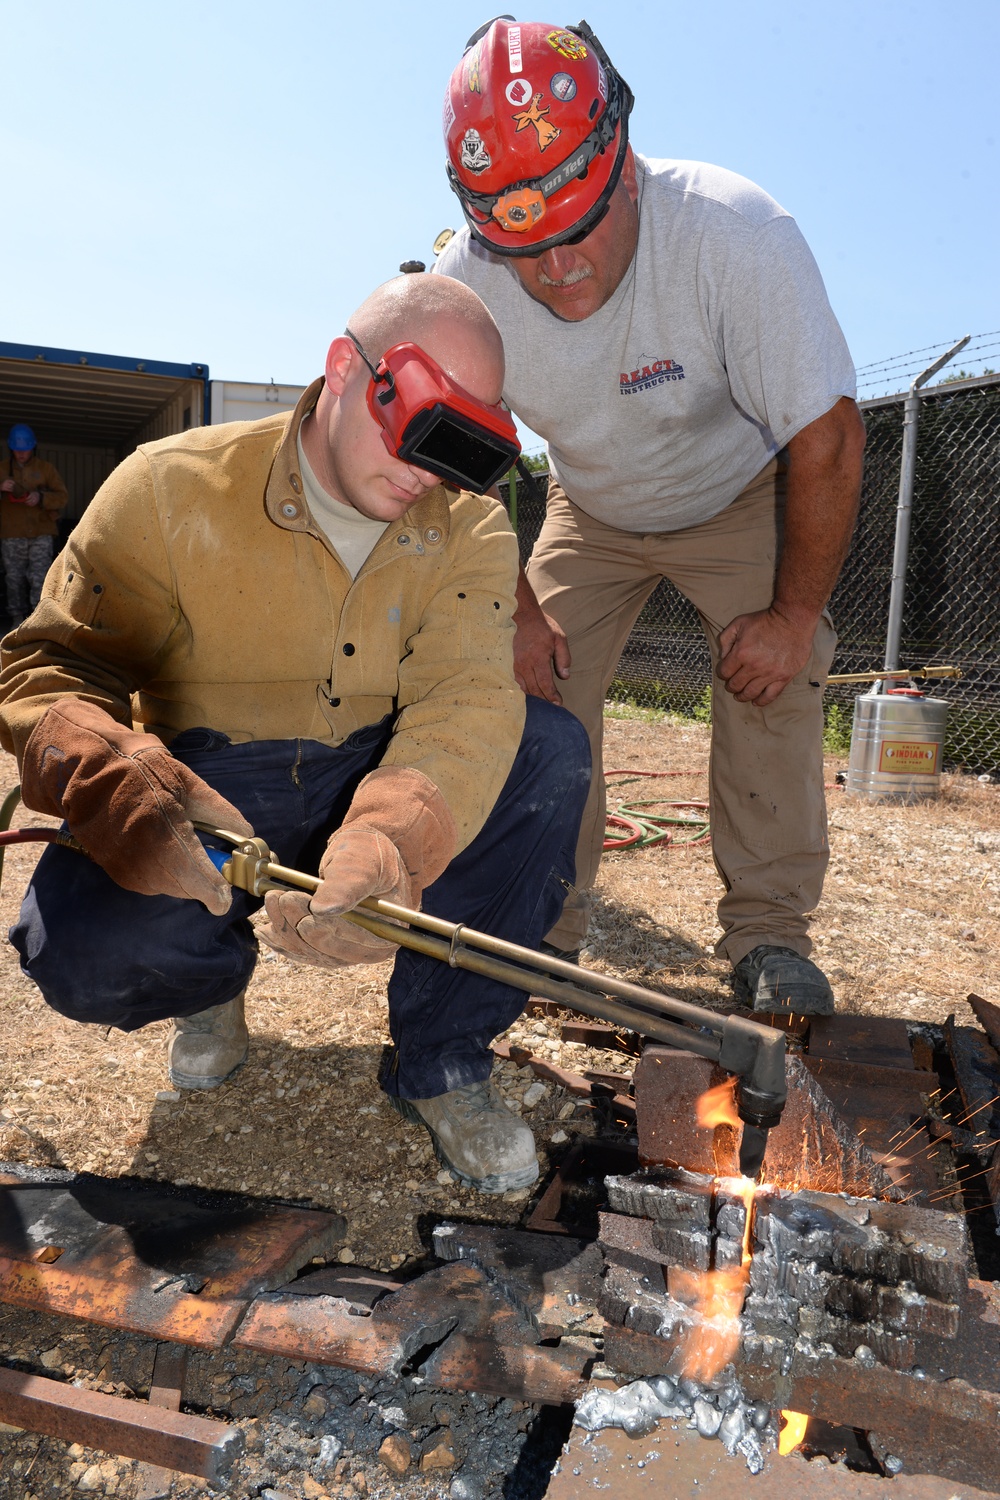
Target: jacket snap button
x,y
348,649
290,510
402,539
433,535
334,702
293,480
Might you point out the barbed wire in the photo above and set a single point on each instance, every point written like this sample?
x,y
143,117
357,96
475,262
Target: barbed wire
x,y
894,363
893,378
926,349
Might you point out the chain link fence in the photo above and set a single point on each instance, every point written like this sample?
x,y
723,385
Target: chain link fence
x,y
952,612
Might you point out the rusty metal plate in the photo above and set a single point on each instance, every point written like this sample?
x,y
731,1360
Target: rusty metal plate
x,y
977,1074
553,1280
937,1427
913,1081
547,1377
676,1463
668,1084
879,1040
941,1426
121,1296
177,1265
813,1145
132,1429
988,1017
327,1331
472,1337
885,1108
600,1034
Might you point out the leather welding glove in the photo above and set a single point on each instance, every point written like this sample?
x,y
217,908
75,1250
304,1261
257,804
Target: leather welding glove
x,y
128,801
398,837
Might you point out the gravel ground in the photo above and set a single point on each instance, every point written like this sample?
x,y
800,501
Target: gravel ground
x,y
907,926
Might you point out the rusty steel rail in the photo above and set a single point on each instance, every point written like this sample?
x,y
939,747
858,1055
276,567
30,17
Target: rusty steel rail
x,y
193,1445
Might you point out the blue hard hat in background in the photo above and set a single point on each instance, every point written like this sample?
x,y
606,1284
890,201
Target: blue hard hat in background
x,y
21,438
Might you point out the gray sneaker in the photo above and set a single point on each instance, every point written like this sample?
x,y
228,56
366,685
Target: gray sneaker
x,y
477,1136
779,979
206,1048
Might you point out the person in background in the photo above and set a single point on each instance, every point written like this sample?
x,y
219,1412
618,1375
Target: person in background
x,y
32,497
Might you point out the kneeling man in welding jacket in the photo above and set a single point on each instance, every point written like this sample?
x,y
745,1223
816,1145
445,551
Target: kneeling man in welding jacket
x,y
312,638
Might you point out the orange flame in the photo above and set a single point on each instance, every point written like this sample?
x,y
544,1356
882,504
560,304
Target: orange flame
x,y
715,1335
718,1106
793,1431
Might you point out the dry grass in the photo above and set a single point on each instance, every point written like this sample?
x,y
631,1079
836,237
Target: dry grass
x,y
907,926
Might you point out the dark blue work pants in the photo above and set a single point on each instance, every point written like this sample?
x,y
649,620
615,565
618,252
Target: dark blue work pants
x,y
103,954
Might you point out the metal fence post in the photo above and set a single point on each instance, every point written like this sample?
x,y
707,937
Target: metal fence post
x,y
904,510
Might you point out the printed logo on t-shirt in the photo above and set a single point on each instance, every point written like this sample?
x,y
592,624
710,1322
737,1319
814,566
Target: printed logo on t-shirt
x,y
650,373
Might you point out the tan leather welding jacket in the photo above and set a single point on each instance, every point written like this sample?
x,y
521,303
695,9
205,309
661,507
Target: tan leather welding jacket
x,y
197,590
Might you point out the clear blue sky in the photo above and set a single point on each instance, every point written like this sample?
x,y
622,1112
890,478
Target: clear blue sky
x,y
224,182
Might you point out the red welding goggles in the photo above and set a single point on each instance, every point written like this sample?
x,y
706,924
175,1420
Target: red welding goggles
x,y
429,421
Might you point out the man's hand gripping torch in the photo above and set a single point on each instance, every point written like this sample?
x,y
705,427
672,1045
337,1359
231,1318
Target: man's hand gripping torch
x,y
753,1052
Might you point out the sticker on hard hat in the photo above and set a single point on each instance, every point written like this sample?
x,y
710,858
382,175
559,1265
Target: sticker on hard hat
x,y
475,157
914,756
472,70
514,48
544,129
519,91
567,45
563,86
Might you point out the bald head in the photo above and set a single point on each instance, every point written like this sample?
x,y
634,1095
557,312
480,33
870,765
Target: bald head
x,y
344,443
445,318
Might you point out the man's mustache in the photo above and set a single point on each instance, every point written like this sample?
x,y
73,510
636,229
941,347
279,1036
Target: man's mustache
x,y
580,273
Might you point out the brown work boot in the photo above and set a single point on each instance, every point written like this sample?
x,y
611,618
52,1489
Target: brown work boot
x,y
779,980
477,1136
206,1048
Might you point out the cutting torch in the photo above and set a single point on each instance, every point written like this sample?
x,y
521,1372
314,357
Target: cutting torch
x,y
754,1053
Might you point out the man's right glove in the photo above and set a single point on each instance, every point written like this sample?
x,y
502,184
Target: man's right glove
x,y
130,803
398,836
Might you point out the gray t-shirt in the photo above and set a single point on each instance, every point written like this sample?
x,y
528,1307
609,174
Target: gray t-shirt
x,y
350,534
718,346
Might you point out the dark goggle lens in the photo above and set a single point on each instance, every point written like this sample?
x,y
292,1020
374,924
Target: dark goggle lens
x,y
451,447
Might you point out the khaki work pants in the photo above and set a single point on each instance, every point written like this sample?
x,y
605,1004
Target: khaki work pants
x,y
768,810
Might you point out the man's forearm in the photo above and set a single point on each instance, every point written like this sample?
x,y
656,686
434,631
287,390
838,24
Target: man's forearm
x,y
823,488
527,603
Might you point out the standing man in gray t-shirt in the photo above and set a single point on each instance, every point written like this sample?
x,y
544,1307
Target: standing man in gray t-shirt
x,y
668,333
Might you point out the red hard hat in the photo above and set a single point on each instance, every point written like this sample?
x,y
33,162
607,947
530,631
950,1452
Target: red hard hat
x,y
536,126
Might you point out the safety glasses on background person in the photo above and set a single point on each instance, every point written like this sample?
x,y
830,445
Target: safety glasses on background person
x,y
430,421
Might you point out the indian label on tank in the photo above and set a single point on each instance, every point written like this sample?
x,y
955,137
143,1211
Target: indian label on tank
x,y
917,757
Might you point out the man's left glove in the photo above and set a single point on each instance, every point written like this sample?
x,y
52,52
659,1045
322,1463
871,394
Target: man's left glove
x,y
397,838
130,803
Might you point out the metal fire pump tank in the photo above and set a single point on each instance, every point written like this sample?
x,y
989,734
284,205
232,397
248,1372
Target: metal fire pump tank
x,y
897,744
